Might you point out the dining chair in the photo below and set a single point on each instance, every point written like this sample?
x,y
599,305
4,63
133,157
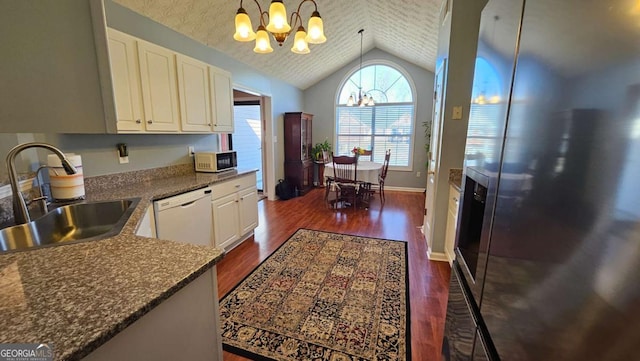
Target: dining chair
x,y
345,171
383,174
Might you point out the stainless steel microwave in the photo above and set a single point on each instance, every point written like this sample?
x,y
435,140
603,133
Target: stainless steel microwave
x,y
216,161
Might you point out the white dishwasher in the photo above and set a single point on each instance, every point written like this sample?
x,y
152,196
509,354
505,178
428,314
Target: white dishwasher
x,y
185,218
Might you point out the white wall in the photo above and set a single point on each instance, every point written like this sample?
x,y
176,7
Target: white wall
x,y
320,99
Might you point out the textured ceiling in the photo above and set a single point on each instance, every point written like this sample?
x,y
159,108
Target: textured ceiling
x,y
407,29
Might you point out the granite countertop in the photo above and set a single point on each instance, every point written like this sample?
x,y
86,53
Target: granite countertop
x,y
80,295
455,178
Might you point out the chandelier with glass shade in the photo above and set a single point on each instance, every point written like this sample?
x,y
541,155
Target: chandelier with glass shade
x,y
275,23
363,98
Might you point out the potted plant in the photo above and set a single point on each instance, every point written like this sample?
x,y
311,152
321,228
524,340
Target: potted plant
x,y
320,154
326,148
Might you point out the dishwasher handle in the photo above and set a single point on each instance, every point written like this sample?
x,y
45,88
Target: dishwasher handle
x,y
185,205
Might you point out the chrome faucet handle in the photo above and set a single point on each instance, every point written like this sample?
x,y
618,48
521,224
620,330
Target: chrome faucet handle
x,y
36,199
44,199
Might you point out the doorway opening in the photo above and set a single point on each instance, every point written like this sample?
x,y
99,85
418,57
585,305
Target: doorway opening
x,y
247,139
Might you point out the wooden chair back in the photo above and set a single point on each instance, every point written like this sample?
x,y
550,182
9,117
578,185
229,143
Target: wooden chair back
x,y
345,168
385,165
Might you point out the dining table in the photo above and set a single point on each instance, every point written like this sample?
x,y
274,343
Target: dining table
x,y
366,171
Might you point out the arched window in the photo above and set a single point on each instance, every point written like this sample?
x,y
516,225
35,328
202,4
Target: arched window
x,y
387,125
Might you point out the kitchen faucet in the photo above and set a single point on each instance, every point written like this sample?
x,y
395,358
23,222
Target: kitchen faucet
x,y
20,211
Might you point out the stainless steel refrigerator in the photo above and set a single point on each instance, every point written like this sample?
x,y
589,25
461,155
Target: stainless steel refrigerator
x,y
548,237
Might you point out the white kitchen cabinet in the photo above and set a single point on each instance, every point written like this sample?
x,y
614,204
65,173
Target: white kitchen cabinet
x,y
222,100
226,220
248,209
235,210
159,87
195,95
452,221
125,77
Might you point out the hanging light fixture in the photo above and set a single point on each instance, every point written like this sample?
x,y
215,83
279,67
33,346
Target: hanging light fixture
x,y
275,23
363,98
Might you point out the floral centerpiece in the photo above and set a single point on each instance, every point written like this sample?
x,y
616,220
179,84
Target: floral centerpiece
x,y
357,151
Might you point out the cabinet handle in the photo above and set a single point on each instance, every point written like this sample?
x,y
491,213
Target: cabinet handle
x,y
149,121
209,124
138,121
237,185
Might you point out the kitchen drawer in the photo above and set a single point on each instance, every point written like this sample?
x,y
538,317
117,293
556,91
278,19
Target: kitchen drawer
x,y
233,185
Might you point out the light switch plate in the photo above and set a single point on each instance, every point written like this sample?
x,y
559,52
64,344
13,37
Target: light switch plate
x,y
457,113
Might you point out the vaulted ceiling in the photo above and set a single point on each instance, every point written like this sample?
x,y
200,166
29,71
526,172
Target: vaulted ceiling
x,y
407,29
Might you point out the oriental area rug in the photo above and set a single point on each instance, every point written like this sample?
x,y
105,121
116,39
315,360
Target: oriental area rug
x,y
322,296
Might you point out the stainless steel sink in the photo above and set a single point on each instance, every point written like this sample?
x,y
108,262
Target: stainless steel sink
x,y
69,224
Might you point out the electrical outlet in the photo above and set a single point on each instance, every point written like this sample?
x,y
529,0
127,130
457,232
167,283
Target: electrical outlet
x,y
122,160
191,150
418,174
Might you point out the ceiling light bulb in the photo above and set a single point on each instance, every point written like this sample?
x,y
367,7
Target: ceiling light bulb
x,y
300,45
244,30
278,18
263,44
361,101
371,102
316,29
351,101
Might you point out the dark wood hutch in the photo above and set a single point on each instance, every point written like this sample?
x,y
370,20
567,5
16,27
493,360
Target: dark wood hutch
x,y
298,164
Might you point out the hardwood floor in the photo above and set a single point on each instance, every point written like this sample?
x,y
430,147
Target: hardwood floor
x,y
400,219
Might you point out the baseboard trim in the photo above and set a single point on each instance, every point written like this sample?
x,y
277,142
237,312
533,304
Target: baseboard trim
x,y
237,242
450,259
437,256
404,189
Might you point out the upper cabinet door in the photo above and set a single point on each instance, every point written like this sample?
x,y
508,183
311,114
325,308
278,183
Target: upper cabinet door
x,y
125,77
222,103
159,87
195,98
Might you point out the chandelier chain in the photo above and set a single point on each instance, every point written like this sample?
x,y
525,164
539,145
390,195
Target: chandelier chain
x,y
361,32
